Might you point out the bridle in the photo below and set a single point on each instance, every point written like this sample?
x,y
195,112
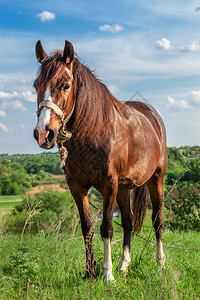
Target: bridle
x,y
63,134
56,110
52,107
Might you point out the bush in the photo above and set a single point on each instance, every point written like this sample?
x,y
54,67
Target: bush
x,y
13,178
43,211
183,210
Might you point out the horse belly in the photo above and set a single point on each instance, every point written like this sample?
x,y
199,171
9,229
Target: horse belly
x,y
139,170
125,183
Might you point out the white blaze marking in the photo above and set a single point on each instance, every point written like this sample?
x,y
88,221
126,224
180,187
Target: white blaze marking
x,y
48,94
160,256
44,117
107,262
43,120
125,259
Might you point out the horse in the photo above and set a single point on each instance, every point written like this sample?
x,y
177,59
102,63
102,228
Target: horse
x,y
117,147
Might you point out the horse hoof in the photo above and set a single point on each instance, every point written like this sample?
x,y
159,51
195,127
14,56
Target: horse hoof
x,y
108,277
161,261
123,269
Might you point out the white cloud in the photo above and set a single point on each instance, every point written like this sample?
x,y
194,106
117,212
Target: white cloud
x,y
192,101
4,95
113,88
15,104
178,104
194,98
164,44
111,28
29,96
22,126
3,128
46,16
191,46
18,105
2,113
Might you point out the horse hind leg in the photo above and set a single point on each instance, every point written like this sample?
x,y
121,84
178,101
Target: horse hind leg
x,y
124,203
155,186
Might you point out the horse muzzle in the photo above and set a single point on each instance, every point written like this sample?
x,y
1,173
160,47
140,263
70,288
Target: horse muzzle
x,y
46,139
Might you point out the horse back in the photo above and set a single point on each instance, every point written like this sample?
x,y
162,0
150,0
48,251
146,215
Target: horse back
x,y
151,115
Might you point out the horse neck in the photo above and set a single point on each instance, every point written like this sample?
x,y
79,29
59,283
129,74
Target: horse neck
x,y
95,108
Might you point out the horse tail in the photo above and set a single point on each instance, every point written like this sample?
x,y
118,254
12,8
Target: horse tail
x,y
140,202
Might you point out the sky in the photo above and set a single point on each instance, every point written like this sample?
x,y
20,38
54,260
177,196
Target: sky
x,y
150,49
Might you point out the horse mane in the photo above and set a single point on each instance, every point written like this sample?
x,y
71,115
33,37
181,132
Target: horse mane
x,y
94,104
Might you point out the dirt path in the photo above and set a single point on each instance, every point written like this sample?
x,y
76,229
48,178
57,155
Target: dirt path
x,y
46,187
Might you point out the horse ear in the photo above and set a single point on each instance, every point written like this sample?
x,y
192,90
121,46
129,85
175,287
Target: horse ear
x,y
40,53
68,53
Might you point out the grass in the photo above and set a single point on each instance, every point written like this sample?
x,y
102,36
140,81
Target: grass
x,y
10,201
46,266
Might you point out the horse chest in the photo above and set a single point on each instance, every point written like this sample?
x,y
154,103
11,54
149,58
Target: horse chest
x,y
89,165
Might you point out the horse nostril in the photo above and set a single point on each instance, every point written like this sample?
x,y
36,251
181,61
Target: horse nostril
x,y
50,136
36,134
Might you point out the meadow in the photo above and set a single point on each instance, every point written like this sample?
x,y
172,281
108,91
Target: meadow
x,y
47,261
50,265
9,201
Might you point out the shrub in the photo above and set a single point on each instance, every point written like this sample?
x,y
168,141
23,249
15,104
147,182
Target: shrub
x,y
183,210
42,211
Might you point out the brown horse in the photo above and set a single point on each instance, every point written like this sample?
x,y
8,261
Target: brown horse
x,y
111,145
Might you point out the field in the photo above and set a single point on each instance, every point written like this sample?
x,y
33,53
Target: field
x,y
52,266
10,201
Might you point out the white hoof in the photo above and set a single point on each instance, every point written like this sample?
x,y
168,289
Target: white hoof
x,y
124,266
108,277
125,260
161,260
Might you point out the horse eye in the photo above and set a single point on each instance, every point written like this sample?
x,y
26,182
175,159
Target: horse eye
x,y
66,87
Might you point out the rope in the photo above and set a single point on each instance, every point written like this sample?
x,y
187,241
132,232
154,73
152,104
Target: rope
x,y
144,238
63,136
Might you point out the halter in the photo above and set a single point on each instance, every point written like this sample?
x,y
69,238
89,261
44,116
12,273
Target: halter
x,y
63,134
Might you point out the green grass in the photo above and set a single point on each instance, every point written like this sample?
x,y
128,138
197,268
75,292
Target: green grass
x,y
46,266
10,201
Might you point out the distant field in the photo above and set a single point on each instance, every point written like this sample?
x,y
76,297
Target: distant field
x,y
10,201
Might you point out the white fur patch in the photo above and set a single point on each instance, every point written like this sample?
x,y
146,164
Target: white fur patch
x,y
125,260
44,117
48,94
107,262
160,256
43,120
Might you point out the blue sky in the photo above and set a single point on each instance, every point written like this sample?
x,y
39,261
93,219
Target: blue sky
x,y
150,47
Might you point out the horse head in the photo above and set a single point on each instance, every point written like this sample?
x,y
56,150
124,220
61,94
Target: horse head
x,y
54,86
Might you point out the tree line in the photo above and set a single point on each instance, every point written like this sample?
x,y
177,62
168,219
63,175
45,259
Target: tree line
x,y
20,172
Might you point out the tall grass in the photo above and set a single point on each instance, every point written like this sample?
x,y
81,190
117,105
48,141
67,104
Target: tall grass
x,y
49,266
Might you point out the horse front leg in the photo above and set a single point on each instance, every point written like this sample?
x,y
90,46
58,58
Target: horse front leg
x,y
80,196
109,197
